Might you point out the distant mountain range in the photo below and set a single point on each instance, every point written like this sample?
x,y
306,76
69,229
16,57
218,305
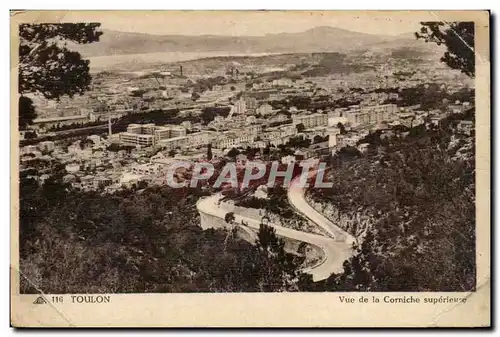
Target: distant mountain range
x,y
320,39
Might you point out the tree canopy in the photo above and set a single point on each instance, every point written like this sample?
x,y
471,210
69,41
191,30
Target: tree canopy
x,y
47,66
300,127
458,37
233,153
28,112
137,242
411,203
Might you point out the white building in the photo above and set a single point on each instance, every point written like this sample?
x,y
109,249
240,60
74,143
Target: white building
x,y
200,138
173,143
465,127
149,134
186,125
72,167
282,82
147,169
334,121
136,139
46,146
372,114
312,120
250,120
240,107
332,136
288,160
232,139
28,149
265,109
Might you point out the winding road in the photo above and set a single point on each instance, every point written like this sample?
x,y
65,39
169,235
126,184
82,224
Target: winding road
x,y
336,249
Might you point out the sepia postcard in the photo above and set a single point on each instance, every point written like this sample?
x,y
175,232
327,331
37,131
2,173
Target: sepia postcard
x,y
250,169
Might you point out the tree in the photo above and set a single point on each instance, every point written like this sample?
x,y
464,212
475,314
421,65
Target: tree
x,y
229,217
195,96
318,139
209,152
142,185
30,135
458,37
341,128
267,150
26,112
85,143
233,153
48,67
268,239
172,153
278,269
149,235
300,127
233,88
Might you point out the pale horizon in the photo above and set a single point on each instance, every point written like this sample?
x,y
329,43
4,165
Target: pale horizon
x,y
250,23
250,35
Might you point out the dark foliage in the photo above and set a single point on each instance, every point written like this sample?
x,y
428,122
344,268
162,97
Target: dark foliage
x,y
209,152
75,242
458,37
26,112
420,199
47,66
208,114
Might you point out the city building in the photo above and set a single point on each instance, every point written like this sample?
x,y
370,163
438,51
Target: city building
x,y
371,114
200,138
265,109
28,149
46,146
282,82
288,159
177,131
241,160
144,135
310,121
187,125
347,140
231,139
277,119
58,121
240,107
72,168
334,121
136,139
465,127
251,102
262,95
147,169
254,129
173,143
250,120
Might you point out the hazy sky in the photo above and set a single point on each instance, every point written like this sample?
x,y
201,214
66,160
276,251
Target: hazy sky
x,y
250,23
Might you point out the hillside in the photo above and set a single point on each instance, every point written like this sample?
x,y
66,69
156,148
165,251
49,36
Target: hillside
x,y
411,201
318,39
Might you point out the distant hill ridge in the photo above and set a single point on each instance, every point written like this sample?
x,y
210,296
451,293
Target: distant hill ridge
x,y
319,39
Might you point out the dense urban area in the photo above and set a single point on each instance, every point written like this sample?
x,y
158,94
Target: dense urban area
x,y
395,129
